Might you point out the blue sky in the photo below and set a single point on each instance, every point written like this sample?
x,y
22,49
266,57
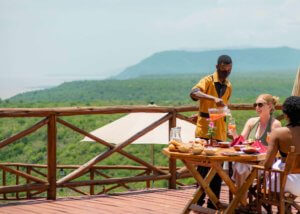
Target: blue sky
x,y
46,42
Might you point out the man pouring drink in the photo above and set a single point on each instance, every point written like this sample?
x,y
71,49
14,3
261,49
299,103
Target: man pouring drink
x,y
213,91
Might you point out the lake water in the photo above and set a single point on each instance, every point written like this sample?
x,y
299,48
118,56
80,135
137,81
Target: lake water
x,y
13,85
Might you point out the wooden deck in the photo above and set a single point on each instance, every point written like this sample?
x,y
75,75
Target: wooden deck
x,y
145,201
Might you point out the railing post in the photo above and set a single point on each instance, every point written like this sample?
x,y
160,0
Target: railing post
x,y
17,183
92,187
148,182
4,182
51,193
172,161
28,171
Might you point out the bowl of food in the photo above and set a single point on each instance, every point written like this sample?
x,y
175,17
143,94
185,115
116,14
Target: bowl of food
x,y
238,147
200,141
210,151
224,144
250,150
197,149
249,142
184,148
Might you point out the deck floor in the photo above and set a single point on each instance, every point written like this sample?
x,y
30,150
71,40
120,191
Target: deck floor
x,y
136,202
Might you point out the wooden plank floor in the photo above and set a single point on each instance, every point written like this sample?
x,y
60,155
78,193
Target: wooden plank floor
x,y
145,201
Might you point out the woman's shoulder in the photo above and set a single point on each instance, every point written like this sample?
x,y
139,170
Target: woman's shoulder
x,y
276,123
281,130
252,120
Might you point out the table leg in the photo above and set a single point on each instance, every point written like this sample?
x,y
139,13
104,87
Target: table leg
x,y
204,184
199,191
241,191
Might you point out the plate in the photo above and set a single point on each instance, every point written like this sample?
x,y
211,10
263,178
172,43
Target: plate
x,y
224,144
252,150
231,153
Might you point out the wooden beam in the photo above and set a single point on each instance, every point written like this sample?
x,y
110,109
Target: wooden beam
x,y
85,167
106,176
51,158
71,111
23,133
22,188
38,172
111,146
78,191
172,161
22,174
77,166
92,176
115,180
185,118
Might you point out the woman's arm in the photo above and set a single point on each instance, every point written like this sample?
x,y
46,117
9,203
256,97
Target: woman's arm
x,y
246,129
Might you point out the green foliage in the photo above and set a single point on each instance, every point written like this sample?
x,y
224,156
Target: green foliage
x,y
163,90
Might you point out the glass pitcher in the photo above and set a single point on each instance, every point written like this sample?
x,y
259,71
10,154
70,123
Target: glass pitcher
x,y
175,134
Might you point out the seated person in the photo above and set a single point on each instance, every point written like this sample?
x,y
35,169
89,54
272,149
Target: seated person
x,y
282,138
256,128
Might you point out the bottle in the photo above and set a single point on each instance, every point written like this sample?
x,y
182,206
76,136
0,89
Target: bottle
x,y
175,134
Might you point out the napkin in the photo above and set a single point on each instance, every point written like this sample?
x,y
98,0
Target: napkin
x,y
260,146
237,141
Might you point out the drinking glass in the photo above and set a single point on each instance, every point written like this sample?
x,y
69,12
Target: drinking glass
x,y
268,137
231,125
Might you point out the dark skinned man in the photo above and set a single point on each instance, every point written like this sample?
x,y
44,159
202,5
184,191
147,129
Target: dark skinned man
x,y
212,91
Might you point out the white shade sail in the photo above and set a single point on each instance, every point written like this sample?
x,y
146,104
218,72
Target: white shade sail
x,y
296,88
125,127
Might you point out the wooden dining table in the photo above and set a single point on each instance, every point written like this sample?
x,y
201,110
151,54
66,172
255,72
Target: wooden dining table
x,y
215,162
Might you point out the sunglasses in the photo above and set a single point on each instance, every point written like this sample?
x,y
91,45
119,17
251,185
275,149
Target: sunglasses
x,y
258,104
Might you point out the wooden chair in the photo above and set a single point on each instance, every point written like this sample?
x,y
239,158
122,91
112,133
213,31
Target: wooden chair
x,y
270,180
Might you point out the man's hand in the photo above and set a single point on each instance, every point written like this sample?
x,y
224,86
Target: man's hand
x,y
219,102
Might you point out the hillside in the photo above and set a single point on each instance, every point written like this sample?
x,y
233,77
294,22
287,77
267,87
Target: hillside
x,y
245,60
163,90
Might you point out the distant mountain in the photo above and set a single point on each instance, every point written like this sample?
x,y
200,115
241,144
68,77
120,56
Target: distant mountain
x,y
251,59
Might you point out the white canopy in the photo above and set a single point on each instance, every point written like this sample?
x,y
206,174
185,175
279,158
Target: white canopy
x,y
296,88
120,130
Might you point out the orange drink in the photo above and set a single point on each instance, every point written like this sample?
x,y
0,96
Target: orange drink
x,y
215,116
268,137
231,127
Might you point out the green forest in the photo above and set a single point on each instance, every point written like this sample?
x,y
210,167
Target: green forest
x,y
163,90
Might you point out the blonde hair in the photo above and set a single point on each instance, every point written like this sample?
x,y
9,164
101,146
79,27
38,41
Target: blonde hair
x,y
270,99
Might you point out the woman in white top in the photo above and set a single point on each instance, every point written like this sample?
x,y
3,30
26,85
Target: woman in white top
x,y
256,128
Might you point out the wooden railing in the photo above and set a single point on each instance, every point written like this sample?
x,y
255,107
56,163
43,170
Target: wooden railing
x,y
38,182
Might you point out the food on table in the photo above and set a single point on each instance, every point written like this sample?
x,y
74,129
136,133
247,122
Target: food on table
x,y
200,141
249,150
172,148
197,149
224,144
210,151
249,141
238,147
175,143
184,148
